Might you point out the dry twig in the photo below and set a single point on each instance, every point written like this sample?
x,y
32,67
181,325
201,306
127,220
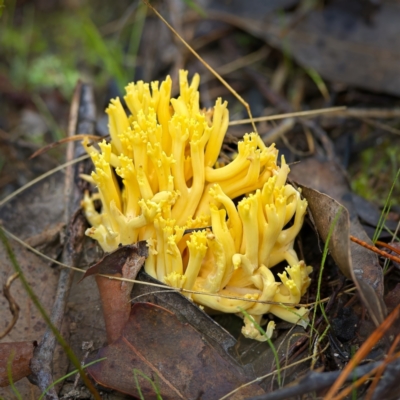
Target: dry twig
x,y
14,308
41,363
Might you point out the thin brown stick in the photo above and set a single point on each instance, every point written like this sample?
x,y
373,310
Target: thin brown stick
x,y
64,140
375,249
360,381
42,361
388,246
14,308
363,352
380,125
212,70
158,285
40,178
381,368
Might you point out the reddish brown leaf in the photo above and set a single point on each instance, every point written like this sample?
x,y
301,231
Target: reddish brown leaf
x,y
124,262
112,263
116,305
171,353
19,354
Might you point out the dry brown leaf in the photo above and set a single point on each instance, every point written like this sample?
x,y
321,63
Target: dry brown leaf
x,y
171,353
354,44
355,262
19,355
125,262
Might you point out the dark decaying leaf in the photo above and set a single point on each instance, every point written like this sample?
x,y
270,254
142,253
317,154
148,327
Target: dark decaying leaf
x,y
392,299
18,354
354,261
112,263
252,357
370,215
172,354
186,311
349,42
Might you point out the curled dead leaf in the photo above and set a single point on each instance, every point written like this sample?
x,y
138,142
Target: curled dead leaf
x,y
326,189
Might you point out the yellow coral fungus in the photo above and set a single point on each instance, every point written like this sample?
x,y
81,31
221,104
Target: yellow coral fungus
x,y
159,177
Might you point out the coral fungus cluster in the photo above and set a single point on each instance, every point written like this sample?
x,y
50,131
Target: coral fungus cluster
x,y
159,180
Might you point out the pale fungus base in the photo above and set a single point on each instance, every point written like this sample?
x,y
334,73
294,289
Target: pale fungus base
x,y
165,152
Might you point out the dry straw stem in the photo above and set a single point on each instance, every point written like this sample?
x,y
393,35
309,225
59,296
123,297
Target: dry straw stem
x,y
381,368
363,352
381,113
310,113
157,285
42,360
219,77
68,139
40,178
260,378
360,381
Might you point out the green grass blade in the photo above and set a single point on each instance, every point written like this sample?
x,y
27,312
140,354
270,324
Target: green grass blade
x,y
75,371
2,6
317,79
110,59
195,7
75,361
321,270
154,385
137,31
385,211
10,378
56,131
269,341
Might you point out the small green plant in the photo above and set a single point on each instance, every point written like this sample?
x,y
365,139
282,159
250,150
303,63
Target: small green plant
x,y
269,341
10,378
385,211
136,373
41,53
376,170
75,371
321,270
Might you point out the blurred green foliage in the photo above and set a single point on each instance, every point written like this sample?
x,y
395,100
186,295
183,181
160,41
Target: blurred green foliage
x,y
374,173
52,49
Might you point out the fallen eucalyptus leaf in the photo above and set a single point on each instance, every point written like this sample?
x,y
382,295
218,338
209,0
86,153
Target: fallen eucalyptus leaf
x,y
355,261
170,353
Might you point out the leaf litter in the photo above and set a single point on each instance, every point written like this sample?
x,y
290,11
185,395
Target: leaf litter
x,y
346,259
